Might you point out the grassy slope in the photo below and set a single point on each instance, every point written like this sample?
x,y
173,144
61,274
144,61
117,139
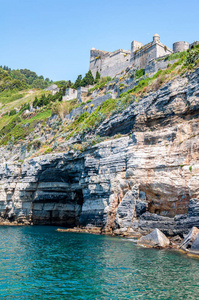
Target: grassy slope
x,y
12,127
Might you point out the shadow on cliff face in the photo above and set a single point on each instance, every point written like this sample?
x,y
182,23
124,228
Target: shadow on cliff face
x,y
58,199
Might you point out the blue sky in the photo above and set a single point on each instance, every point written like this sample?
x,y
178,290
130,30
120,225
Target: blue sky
x,y
54,37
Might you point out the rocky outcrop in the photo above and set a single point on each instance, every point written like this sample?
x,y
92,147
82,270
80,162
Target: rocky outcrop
x,y
195,246
155,239
147,179
126,209
189,240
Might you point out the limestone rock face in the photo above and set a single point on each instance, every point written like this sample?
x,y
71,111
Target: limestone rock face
x,y
126,209
195,245
189,240
154,239
147,179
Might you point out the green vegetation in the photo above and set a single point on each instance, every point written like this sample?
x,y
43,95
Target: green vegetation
x,y
97,77
14,85
86,122
64,108
176,55
16,125
192,58
35,145
8,96
101,84
78,82
87,80
46,100
48,150
12,112
139,73
137,88
63,83
21,79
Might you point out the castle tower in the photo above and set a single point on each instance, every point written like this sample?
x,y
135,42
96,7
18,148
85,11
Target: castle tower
x,y
135,46
180,46
156,38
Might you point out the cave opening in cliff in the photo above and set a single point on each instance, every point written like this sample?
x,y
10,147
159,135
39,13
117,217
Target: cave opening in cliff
x,y
59,198
59,209
79,202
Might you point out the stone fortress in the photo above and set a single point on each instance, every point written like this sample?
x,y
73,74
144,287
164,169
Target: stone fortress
x,y
140,57
150,57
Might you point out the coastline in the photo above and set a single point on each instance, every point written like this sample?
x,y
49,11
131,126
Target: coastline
x,y
124,234
97,231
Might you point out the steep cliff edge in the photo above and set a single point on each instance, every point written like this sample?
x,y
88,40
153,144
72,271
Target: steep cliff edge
x,y
149,178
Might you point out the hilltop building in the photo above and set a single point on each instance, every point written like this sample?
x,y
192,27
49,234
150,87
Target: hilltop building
x,y
70,94
149,57
109,63
140,56
53,88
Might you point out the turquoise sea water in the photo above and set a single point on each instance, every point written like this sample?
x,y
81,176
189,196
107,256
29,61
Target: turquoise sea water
x,y
40,263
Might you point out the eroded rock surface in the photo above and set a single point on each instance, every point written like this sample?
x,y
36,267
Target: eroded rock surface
x,y
189,240
195,245
145,180
155,239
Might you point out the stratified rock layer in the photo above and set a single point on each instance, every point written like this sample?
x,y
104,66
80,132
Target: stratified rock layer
x,y
148,179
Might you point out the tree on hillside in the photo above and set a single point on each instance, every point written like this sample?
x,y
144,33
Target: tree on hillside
x,y
97,77
78,82
88,79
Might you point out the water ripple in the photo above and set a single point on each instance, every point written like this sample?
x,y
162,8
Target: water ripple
x,y
40,263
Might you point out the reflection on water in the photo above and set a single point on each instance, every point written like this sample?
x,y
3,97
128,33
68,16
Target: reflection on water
x,y
40,263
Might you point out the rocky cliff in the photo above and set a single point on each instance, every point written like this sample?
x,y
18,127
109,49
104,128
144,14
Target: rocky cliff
x,y
148,178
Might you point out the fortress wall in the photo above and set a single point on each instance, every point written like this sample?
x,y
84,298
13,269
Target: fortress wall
x,y
115,63
148,53
140,59
96,57
193,44
163,50
110,63
154,65
135,46
70,94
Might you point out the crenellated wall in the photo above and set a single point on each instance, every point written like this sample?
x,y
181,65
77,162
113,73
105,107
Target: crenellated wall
x,y
109,63
113,63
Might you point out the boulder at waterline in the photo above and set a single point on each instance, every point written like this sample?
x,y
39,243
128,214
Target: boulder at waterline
x,y
189,239
195,246
155,239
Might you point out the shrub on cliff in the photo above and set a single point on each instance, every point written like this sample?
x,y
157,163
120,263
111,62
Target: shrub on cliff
x,y
77,82
63,108
49,150
101,83
192,57
12,112
97,77
88,79
139,73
